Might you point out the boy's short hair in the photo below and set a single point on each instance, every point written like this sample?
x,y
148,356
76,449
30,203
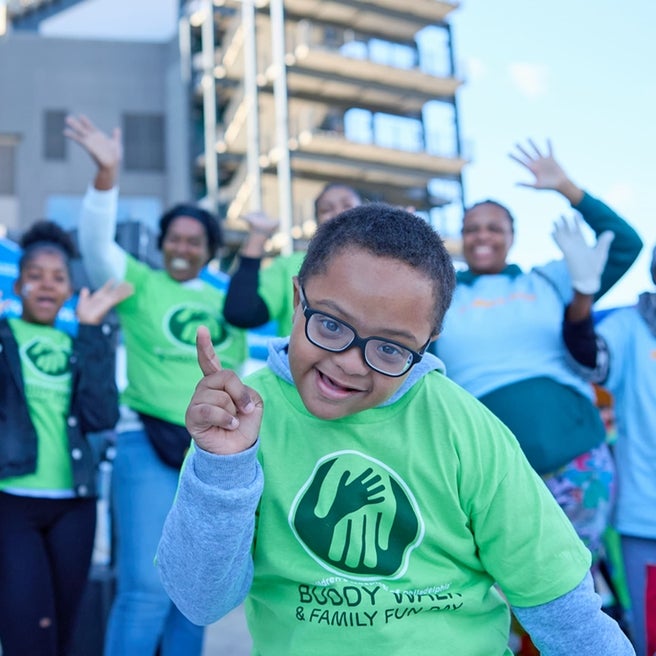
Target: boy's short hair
x,y
386,231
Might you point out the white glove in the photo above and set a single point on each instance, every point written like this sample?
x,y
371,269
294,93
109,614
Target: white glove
x,y
585,263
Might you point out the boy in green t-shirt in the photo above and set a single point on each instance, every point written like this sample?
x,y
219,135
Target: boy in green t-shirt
x,y
375,507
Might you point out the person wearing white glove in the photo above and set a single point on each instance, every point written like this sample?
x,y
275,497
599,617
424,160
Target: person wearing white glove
x,y
620,353
585,263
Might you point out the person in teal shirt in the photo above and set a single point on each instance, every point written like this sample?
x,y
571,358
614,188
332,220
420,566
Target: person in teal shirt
x,y
158,325
356,498
54,390
502,343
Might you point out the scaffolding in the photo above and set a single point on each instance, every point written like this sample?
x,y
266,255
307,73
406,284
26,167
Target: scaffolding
x,y
288,95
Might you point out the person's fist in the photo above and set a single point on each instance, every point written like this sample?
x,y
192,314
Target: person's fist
x,y
224,415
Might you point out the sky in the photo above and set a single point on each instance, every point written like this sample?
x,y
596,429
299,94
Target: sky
x,y
577,72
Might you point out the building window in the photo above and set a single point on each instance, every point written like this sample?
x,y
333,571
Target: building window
x,y
358,125
399,132
54,141
392,54
7,169
143,142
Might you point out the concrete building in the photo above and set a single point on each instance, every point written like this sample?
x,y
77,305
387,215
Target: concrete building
x,y
136,86
291,94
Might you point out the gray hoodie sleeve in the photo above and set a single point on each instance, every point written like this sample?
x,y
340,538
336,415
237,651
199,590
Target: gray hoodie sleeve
x,y
204,555
574,624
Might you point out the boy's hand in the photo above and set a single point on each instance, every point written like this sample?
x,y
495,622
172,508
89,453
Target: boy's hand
x,y
92,308
224,415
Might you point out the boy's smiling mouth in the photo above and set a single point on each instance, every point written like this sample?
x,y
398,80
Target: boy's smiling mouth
x,y
331,388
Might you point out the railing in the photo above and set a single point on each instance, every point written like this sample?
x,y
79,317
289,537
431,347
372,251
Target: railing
x,y
349,43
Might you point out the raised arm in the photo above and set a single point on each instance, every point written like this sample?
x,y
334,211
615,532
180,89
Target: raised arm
x,y
103,258
95,346
204,555
588,351
92,307
243,306
549,174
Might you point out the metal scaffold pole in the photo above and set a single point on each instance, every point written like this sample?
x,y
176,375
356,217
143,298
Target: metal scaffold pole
x,y
209,105
252,105
282,127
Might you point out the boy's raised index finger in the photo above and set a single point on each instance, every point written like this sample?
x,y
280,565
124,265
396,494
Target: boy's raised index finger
x,y
207,359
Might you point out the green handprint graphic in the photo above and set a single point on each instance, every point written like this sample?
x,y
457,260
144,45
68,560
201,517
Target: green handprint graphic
x,y
183,324
47,358
357,517
366,518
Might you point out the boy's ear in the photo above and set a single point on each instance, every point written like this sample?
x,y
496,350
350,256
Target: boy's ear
x,y
297,298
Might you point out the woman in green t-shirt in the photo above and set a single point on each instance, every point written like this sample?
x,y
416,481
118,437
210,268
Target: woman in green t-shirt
x,y
158,326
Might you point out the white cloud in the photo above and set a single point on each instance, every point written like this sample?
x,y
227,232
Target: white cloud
x,y
531,80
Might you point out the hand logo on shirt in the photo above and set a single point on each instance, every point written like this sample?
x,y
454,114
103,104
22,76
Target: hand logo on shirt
x,y
46,358
182,322
356,516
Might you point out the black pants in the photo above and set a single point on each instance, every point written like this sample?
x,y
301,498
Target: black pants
x,y
45,554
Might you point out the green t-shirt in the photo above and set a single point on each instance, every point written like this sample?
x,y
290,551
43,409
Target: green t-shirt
x,y
159,323
277,290
44,355
388,529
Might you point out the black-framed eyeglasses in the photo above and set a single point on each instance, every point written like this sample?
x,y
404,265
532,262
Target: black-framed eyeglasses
x,y
331,334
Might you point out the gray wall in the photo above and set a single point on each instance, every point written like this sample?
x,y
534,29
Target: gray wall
x,y
103,79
